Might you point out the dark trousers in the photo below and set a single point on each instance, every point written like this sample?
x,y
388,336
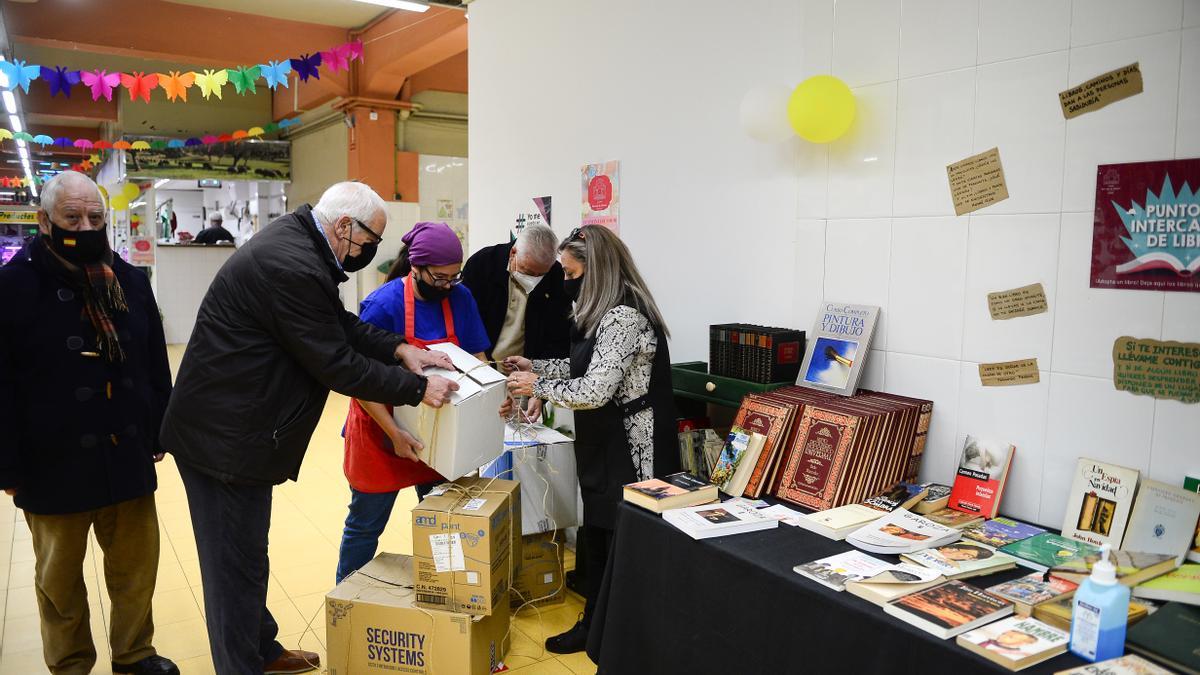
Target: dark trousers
x,y
368,515
598,541
231,523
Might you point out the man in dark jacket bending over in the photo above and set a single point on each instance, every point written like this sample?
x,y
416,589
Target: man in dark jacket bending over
x,y
271,339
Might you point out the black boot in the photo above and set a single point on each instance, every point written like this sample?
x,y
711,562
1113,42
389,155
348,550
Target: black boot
x,y
151,665
574,640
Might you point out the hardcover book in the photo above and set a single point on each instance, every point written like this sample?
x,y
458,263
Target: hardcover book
x,y
1181,585
999,532
1130,664
1043,551
1016,642
1033,589
982,472
961,559
1163,520
1099,503
1170,636
837,351
1133,567
772,421
949,609
835,571
936,500
823,440
1193,485
674,491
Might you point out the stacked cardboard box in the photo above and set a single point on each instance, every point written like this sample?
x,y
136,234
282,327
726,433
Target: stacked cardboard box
x,y
463,545
540,579
372,626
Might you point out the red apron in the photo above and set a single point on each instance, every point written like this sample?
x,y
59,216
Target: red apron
x,y
371,464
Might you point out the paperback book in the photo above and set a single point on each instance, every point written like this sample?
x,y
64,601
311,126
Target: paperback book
x,y
902,495
897,581
1163,520
837,570
953,518
936,499
901,532
675,491
837,351
982,473
1099,502
950,608
1032,590
961,559
1181,585
1016,642
718,520
1057,612
1133,567
838,522
999,532
736,444
1130,664
1043,551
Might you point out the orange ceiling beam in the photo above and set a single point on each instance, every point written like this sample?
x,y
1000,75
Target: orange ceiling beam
x,y
79,106
403,44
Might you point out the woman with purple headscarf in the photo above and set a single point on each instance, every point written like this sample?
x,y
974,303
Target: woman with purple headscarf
x,y
425,301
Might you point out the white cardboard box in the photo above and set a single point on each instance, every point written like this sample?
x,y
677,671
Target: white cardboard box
x,y
467,432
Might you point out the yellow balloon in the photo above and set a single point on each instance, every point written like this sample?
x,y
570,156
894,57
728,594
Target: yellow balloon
x,y
130,191
119,203
821,109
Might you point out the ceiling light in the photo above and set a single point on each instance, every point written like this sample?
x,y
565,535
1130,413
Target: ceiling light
x,y
15,121
10,102
399,4
161,182
20,144
24,153
32,189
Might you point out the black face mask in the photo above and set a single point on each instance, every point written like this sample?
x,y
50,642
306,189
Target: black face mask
x,y
431,293
79,247
366,253
571,287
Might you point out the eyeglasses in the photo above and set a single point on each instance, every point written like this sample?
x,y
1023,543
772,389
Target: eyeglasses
x,y
443,280
377,239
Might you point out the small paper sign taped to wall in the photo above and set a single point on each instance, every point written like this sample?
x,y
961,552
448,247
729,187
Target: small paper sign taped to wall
x,y
447,552
1169,370
1009,373
977,181
1023,301
1101,90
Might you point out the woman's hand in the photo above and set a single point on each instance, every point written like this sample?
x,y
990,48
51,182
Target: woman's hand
x,y
521,383
533,411
517,364
405,445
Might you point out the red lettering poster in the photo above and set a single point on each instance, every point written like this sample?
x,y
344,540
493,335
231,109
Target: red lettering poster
x,y
601,195
1146,233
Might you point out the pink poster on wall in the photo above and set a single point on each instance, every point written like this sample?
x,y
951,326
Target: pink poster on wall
x,y
1146,233
602,195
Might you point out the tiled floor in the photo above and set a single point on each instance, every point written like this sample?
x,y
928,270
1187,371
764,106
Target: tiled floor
x,y
305,530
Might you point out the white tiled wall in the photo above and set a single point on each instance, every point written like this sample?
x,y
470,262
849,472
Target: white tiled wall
x,y
936,81
710,214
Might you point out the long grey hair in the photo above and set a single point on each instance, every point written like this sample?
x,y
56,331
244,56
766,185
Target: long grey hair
x,y
611,278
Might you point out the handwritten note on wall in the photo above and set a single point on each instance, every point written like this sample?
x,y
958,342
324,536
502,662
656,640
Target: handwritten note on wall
x,y
1009,373
1156,368
977,181
1023,301
1101,90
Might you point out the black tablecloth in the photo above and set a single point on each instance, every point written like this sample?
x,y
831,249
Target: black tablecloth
x,y
671,604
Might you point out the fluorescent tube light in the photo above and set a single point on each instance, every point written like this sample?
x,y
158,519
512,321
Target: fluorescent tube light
x,y
24,153
15,121
161,182
10,102
398,4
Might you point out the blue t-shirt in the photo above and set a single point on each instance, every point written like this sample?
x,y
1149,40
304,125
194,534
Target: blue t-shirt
x,y
384,308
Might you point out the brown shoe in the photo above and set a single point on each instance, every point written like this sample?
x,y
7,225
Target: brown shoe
x,y
293,661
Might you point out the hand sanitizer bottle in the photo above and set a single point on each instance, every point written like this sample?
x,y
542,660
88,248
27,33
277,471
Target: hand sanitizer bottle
x,y
1099,613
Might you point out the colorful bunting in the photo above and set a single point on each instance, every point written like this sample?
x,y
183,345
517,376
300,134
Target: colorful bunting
x,y
139,85
176,84
138,145
306,66
157,144
276,72
5,134
243,79
18,74
60,79
43,139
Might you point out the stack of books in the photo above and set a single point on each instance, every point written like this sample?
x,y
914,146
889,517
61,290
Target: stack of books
x,y
901,532
823,450
755,353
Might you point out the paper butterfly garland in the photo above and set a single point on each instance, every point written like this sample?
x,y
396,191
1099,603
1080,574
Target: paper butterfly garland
x,y
101,83
139,85
306,66
20,75
176,84
276,72
60,80
243,79
211,82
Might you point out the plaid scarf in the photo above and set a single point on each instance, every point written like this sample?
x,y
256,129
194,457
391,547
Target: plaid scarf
x,y
102,296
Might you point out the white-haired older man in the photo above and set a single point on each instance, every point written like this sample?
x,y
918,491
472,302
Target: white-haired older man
x,y
84,380
271,340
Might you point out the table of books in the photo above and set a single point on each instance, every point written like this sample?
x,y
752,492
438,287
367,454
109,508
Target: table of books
x,y
671,604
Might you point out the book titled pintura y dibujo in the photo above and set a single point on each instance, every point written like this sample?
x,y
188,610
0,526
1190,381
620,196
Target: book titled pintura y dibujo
x,y
841,340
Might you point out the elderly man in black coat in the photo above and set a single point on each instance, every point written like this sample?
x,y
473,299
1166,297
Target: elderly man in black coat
x,y
84,381
271,340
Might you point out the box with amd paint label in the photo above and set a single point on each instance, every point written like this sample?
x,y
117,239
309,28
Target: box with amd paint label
x,y
372,626
462,546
